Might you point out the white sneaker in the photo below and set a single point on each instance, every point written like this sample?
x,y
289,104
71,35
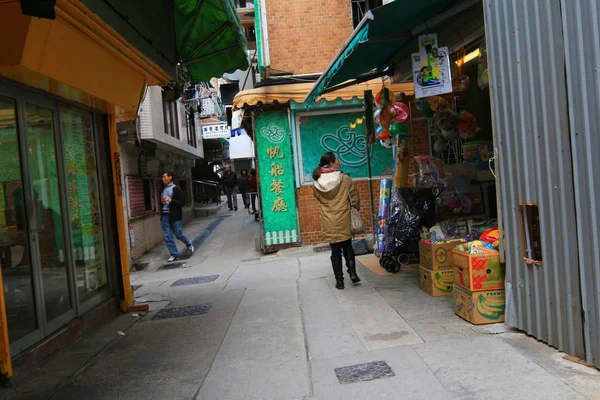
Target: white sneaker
x,y
191,248
172,258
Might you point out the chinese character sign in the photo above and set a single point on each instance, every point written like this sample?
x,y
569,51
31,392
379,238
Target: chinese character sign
x,y
276,174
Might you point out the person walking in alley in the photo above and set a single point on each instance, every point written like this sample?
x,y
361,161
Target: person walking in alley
x,y
244,188
253,188
335,191
172,203
230,182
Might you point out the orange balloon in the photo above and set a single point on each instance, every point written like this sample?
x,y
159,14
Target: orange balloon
x,y
386,117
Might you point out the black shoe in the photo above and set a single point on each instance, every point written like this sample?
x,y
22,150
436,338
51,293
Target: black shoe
x,y
336,263
231,209
235,208
351,264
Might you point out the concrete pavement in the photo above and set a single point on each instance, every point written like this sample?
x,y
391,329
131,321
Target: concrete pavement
x,y
274,327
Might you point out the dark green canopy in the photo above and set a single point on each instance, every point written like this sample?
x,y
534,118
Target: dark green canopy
x,y
210,38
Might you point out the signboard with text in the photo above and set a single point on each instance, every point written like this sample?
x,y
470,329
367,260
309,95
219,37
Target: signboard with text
x,y
216,131
276,177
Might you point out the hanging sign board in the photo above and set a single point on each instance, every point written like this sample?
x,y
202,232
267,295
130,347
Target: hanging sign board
x,y
276,177
216,131
431,68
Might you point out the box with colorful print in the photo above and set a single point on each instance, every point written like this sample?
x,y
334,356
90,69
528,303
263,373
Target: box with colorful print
x,y
437,283
479,308
478,271
436,256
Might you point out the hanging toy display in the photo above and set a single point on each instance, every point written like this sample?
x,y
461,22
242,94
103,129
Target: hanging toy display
x,y
440,145
446,123
467,125
387,143
399,130
438,103
461,82
483,80
423,107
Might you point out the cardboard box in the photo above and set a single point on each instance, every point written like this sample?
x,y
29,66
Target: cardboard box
x,y
478,271
436,256
479,308
437,283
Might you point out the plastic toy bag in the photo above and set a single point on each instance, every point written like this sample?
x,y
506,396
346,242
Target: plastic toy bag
x,y
431,170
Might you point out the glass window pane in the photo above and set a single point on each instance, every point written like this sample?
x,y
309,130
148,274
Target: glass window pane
x,y
47,219
84,201
14,241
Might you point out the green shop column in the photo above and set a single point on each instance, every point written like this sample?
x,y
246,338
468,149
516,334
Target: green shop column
x,y
276,174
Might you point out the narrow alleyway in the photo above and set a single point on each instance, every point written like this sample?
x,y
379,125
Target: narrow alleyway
x,y
248,326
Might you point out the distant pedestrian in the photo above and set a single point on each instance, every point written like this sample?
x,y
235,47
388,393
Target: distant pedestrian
x,y
172,199
253,188
231,189
334,190
244,188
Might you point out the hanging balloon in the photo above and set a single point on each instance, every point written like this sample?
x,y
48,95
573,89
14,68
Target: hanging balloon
x,y
461,83
376,115
384,134
386,117
378,130
399,129
401,112
388,143
381,100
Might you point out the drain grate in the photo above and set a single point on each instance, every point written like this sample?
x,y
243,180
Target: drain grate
x,y
320,249
185,311
251,259
139,266
136,287
207,232
364,372
195,280
172,266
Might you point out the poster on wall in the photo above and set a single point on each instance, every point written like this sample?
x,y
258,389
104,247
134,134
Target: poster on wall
x,y
341,134
276,176
431,68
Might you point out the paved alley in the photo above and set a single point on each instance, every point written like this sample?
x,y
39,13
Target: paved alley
x,y
230,323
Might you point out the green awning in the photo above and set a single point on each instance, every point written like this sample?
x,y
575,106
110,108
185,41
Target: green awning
x,y
210,38
385,35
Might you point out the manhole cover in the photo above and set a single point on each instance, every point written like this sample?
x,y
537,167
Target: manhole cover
x,y
196,280
139,266
185,311
364,372
136,287
172,266
320,249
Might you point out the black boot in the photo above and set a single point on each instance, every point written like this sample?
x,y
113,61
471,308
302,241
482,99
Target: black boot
x,y
351,263
336,263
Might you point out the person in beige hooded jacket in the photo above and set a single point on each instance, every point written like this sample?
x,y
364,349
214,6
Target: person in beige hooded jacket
x,y
334,190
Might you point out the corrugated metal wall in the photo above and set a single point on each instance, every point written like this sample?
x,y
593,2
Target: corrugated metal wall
x,y
581,26
531,124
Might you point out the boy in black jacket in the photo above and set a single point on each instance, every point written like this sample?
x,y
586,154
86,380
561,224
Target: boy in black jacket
x,y
171,216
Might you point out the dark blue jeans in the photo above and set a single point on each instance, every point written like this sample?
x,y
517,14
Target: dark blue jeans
x,y
169,228
337,248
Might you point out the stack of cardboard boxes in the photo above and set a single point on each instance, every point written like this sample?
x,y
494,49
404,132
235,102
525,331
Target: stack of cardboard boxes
x,y
479,287
436,268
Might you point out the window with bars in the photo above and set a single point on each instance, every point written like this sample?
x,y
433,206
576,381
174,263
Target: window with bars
x,y
360,8
190,126
170,118
141,196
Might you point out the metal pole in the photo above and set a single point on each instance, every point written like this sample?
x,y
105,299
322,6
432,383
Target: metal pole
x,y
371,202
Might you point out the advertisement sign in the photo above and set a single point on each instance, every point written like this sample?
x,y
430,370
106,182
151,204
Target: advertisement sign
x,y
216,131
431,68
276,177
